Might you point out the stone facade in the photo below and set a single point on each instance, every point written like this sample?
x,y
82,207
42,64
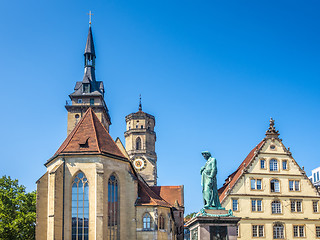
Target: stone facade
x,y
91,189
77,106
272,194
140,144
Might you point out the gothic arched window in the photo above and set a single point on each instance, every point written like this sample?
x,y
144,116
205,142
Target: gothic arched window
x,y
138,143
80,207
146,221
161,222
113,209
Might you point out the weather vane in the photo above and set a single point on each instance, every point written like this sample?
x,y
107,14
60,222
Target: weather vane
x,y
90,14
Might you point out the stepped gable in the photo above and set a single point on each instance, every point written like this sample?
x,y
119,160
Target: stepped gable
x,y
171,194
233,178
89,137
148,197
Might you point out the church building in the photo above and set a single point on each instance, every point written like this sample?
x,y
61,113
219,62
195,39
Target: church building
x,y
272,194
97,188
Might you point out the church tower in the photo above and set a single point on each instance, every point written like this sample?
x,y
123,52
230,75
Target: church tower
x,y
91,190
140,140
88,92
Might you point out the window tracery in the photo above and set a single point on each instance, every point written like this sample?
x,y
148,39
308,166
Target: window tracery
x,y
146,221
80,207
113,208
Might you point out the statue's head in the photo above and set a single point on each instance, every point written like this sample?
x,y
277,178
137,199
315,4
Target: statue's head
x,y
206,154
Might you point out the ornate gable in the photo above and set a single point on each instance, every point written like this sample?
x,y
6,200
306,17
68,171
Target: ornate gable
x,y
277,161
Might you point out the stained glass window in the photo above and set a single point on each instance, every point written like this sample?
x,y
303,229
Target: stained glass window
x,y
113,209
80,207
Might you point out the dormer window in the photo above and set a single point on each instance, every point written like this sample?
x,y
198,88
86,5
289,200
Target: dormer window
x,y
86,87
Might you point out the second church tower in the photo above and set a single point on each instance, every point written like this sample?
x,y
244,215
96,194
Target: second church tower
x,y
140,144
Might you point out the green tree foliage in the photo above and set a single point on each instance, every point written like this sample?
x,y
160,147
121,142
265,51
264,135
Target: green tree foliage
x,y
189,216
17,211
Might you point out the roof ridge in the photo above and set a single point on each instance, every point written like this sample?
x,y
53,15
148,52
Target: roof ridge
x,y
94,128
142,185
110,136
166,187
161,198
156,200
242,166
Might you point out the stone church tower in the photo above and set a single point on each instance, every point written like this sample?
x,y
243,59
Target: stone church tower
x,y
88,92
140,140
91,190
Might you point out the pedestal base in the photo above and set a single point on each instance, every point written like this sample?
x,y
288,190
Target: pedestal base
x,y
213,224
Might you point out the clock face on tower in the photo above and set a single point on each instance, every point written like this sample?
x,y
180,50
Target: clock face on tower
x,y
139,163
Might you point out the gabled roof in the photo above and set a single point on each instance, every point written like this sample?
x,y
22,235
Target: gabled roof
x,y
233,178
121,147
172,194
147,197
89,137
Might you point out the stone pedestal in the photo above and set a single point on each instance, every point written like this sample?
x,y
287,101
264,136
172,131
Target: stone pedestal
x,y
211,224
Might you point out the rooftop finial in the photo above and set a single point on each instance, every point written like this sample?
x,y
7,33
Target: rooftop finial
x,y
272,132
90,14
140,105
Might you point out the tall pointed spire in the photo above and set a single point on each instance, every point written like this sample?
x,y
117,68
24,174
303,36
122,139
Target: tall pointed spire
x,y
89,92
89,59
140,105
89,45
272,132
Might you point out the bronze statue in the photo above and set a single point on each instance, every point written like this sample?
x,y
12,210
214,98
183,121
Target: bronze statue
x,y
209,182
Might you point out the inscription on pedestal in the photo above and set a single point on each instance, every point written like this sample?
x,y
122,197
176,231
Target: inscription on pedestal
x,y
218,233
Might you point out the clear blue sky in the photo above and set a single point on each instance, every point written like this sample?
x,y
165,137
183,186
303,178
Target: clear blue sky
x,y
211,72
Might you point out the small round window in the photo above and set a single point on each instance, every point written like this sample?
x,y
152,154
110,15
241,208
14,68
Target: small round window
x,y
77,116
272,147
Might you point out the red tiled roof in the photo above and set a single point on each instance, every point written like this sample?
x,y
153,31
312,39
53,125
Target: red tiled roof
x,y
170,193
89,137
233,178
149,197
